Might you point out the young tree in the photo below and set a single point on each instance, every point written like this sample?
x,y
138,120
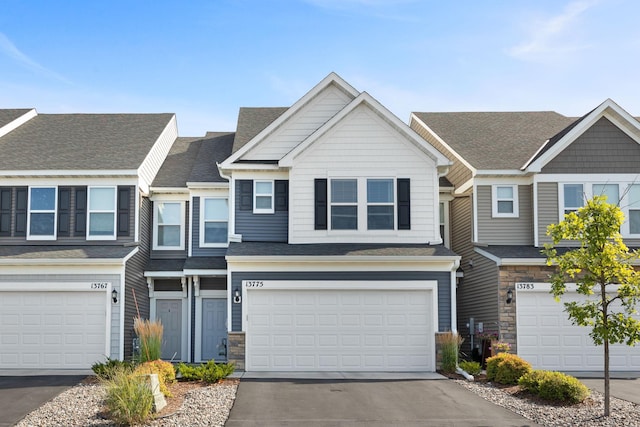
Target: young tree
x,y
602,266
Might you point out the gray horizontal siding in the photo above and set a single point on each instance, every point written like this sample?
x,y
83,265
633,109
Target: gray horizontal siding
x,y
443,279
603,148
260,227
548,209
196,250
505,231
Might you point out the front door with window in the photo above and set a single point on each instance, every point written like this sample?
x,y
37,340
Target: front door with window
x,y
169,311
214,329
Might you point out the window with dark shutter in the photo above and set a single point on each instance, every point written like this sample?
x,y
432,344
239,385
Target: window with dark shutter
x,y
245,187
124,210
282,195
81,211
64,211
21,211
404,203
5,211
320,189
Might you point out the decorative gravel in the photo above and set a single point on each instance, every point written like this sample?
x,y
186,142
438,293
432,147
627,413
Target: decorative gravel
x,y
585,414
81,406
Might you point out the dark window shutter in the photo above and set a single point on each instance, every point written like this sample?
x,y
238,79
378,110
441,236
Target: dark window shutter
x,y
124,210
282,195
246,194
404,204
320,203
81,211
21,211
64,211
5,211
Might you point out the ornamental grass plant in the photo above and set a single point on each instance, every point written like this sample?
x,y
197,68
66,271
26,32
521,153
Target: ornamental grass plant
x,y
150,334
129,400
449,343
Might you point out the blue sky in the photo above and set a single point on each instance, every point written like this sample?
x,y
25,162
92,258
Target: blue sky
x,y
205,59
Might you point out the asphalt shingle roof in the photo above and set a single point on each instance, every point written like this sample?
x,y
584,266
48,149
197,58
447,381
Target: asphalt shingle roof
x,y
64,252
496,140
253,120
82,141
9,115
332,249
194,160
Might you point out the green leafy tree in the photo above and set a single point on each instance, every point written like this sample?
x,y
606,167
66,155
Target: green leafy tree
x,y
602,268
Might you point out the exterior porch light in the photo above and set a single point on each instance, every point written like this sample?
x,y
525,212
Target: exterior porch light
x,y
236,296
114,296
509,296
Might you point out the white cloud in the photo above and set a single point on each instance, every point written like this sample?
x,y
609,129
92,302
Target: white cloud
x,y
9,49
553,36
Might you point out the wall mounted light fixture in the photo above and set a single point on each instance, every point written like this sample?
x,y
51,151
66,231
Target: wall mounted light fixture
x,y
509,296
114,296
237,298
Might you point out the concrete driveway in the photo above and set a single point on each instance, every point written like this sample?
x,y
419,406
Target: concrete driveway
x,y
21,395
626,389
313,402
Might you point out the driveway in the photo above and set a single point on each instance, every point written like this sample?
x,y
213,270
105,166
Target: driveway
x,y
21,395
627,389
313,402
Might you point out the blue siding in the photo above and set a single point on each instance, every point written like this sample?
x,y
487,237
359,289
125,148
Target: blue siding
x,y
261,227
196,250
443,278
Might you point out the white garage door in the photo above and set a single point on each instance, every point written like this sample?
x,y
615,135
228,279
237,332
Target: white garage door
x,y
548,340
52,330
340,330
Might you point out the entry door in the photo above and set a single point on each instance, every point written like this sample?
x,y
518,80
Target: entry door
x,y
169,311
214,329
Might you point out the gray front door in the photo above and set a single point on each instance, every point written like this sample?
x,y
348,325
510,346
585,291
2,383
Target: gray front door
x,y
214,328
169,311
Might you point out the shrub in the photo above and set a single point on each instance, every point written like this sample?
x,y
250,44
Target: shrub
x,y
472,368
129,401
506,368
150,334
554,386
210,372
106,370
450,345
166,373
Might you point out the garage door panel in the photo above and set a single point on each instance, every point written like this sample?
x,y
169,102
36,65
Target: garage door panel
x,y
341,330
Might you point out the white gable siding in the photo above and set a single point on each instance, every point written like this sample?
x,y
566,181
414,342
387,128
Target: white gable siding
x,y
364,145
152,163
310,117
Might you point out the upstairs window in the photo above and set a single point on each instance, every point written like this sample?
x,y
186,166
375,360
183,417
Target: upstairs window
x,y
263,197
634,208
214,224
505,201
102,213
344,204
42,213
380,204
169,225
610,191
573,197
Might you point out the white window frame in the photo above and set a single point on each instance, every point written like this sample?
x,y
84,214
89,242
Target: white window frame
x,y
156,224
562,208
495,199
48,211
331,204
114,212
202,243
393,203
629,208
257,210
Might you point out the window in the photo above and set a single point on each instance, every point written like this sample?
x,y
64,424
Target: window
x,y
608,190
344,204
214,225
505,201
380,204
263,197
573,197
634,208
442,220
102,213
169,220
42,213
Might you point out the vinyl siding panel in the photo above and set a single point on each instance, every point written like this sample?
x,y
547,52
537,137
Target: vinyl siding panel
x,y
157,155
505,231
196,250
364,145
603,148
548,209
260,227
309,118
443,279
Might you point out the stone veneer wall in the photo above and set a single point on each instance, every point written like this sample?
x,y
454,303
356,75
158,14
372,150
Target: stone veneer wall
x,y
236,349
508,277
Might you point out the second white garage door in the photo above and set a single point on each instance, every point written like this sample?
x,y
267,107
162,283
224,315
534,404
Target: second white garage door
x,y
340,330
548,339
